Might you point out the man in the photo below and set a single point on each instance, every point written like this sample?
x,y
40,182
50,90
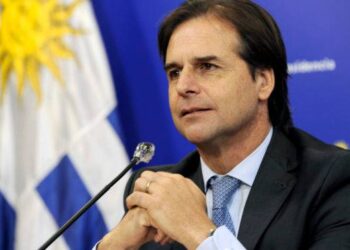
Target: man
x,y
226,66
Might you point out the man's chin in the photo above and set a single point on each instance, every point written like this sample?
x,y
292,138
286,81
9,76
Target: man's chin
x,y
196,132
197,137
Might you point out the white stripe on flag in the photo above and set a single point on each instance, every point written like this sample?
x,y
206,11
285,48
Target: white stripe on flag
x,y
102,163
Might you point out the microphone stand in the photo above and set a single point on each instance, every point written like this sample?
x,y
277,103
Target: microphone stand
x,y
143,153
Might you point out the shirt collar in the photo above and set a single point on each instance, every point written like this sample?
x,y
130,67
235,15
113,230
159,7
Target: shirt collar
x,y
247,169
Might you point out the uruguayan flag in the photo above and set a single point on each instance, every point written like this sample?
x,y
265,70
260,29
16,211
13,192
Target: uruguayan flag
x,y
59,142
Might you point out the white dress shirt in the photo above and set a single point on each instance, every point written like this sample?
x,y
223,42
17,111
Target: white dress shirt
x,y
246,172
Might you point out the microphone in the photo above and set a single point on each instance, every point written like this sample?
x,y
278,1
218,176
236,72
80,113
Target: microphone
x,y
143,153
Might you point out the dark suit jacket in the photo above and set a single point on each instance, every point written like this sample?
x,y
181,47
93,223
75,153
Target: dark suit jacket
x,y
300,198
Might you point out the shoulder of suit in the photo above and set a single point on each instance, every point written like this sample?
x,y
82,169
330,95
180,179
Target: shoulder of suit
x,y
308,142
313,152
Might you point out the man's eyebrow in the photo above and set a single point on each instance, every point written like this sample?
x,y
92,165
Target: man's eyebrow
x,y
205,59
196,60
169,66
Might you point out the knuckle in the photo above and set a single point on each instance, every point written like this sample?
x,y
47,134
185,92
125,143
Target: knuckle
x,y
138,185
129,200
157,204
167,183
143,174
189,182
146,173
138,182
179,178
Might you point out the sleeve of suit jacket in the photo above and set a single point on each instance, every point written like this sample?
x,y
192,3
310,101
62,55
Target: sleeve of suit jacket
x,y
330,215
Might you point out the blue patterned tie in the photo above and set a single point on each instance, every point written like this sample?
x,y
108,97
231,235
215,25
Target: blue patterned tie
x,y
223,190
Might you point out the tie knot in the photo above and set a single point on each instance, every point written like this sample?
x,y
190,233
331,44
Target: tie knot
x,y
223,189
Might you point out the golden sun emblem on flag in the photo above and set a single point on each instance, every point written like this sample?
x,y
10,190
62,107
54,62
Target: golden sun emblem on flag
x,y
31,37
342,144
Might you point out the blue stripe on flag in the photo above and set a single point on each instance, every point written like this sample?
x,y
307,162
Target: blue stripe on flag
x,y
64,193
7,224
113,119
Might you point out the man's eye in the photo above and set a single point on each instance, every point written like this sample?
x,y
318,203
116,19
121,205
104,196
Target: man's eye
x,y
207,66
173,74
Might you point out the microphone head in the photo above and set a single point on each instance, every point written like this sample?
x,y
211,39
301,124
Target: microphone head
x,y
144,152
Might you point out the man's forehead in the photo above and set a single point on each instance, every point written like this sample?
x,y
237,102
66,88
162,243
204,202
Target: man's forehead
x,y
202,37
210,23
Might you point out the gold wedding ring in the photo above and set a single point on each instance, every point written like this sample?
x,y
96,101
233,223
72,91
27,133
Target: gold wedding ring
x,y
147,186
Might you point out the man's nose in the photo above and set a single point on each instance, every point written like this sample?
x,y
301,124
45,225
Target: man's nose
x,y
187,83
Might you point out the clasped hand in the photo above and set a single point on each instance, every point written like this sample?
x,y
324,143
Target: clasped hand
x,y
163,207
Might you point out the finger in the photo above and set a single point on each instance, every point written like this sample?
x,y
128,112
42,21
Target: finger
x,y
165,177
139,199
193,186
148,179
177,179
140,184
149,175
166,240
170,175
161,176
145,221
159,236
143,216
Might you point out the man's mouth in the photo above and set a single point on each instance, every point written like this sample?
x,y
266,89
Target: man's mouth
x,y
190,111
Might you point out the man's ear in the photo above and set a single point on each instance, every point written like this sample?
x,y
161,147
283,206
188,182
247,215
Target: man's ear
x,y
265,80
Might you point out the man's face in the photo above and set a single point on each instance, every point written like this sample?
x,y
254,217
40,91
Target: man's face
x,y
211,92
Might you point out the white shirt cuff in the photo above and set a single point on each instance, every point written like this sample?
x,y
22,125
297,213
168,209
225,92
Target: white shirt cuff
x,y
222,239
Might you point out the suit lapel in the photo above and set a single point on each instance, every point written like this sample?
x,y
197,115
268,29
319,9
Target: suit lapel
x,y
190,168
270,189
